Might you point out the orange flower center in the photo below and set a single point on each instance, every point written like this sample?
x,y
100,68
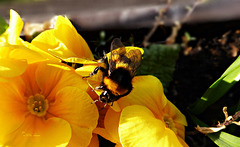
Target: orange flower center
x,y
38,105
169,123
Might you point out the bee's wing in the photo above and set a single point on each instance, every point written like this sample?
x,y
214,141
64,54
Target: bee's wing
x,y
116,43
117,48
135,57
79,60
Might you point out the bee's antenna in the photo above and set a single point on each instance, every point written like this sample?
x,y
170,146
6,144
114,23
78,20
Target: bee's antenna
x,y
104,53
95,101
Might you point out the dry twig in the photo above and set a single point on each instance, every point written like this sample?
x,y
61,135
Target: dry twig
x,y
228,120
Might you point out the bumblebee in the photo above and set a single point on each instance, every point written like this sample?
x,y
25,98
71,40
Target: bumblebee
x,y
118,72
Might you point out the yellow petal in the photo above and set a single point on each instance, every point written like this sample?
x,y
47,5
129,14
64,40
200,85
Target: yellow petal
x,y
175,114
80,136
111,123
93,81
12,106
105,134
45,40
12,67
53,77
73,42
184,144
21,52
139,127
29,78
116,107
147,91
180,132
5,49
15,27
110,128
63,20
38,132
75,106
94,141
63,41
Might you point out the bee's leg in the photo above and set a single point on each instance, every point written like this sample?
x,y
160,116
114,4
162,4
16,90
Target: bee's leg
x,y
105,105
100,87
95,101
94,72
112,104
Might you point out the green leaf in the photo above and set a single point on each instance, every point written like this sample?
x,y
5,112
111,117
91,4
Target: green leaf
x,y
218,88
224,139
3,25
160,60
221,138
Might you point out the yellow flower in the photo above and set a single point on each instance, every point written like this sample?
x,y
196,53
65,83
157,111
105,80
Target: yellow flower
x,y
46,106
146,118
15,53
63,41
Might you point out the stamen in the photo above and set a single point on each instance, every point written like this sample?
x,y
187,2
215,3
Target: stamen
x,y
38,105
169,123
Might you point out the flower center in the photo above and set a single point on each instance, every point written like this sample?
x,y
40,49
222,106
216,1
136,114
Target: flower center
x,y
38,105
169,123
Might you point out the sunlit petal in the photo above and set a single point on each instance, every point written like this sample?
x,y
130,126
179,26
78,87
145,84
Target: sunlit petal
x,y
57,78
139,127
5,49
74,105
38,132
15,27
72,40
11,67
45,40
21,52
63,20
63,41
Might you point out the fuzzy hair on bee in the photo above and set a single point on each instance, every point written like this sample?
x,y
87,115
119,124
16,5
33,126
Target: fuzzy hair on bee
x,y
117,73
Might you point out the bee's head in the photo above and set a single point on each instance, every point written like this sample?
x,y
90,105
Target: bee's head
x,y
104,97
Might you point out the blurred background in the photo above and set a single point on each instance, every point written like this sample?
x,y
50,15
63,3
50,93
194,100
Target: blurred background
x,y
111,14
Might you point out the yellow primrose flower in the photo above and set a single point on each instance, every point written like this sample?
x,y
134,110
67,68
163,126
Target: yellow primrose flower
x,y
24,49
63,41
46,106
146,118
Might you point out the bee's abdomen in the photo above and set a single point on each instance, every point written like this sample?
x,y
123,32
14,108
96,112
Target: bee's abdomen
x,y
119,82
